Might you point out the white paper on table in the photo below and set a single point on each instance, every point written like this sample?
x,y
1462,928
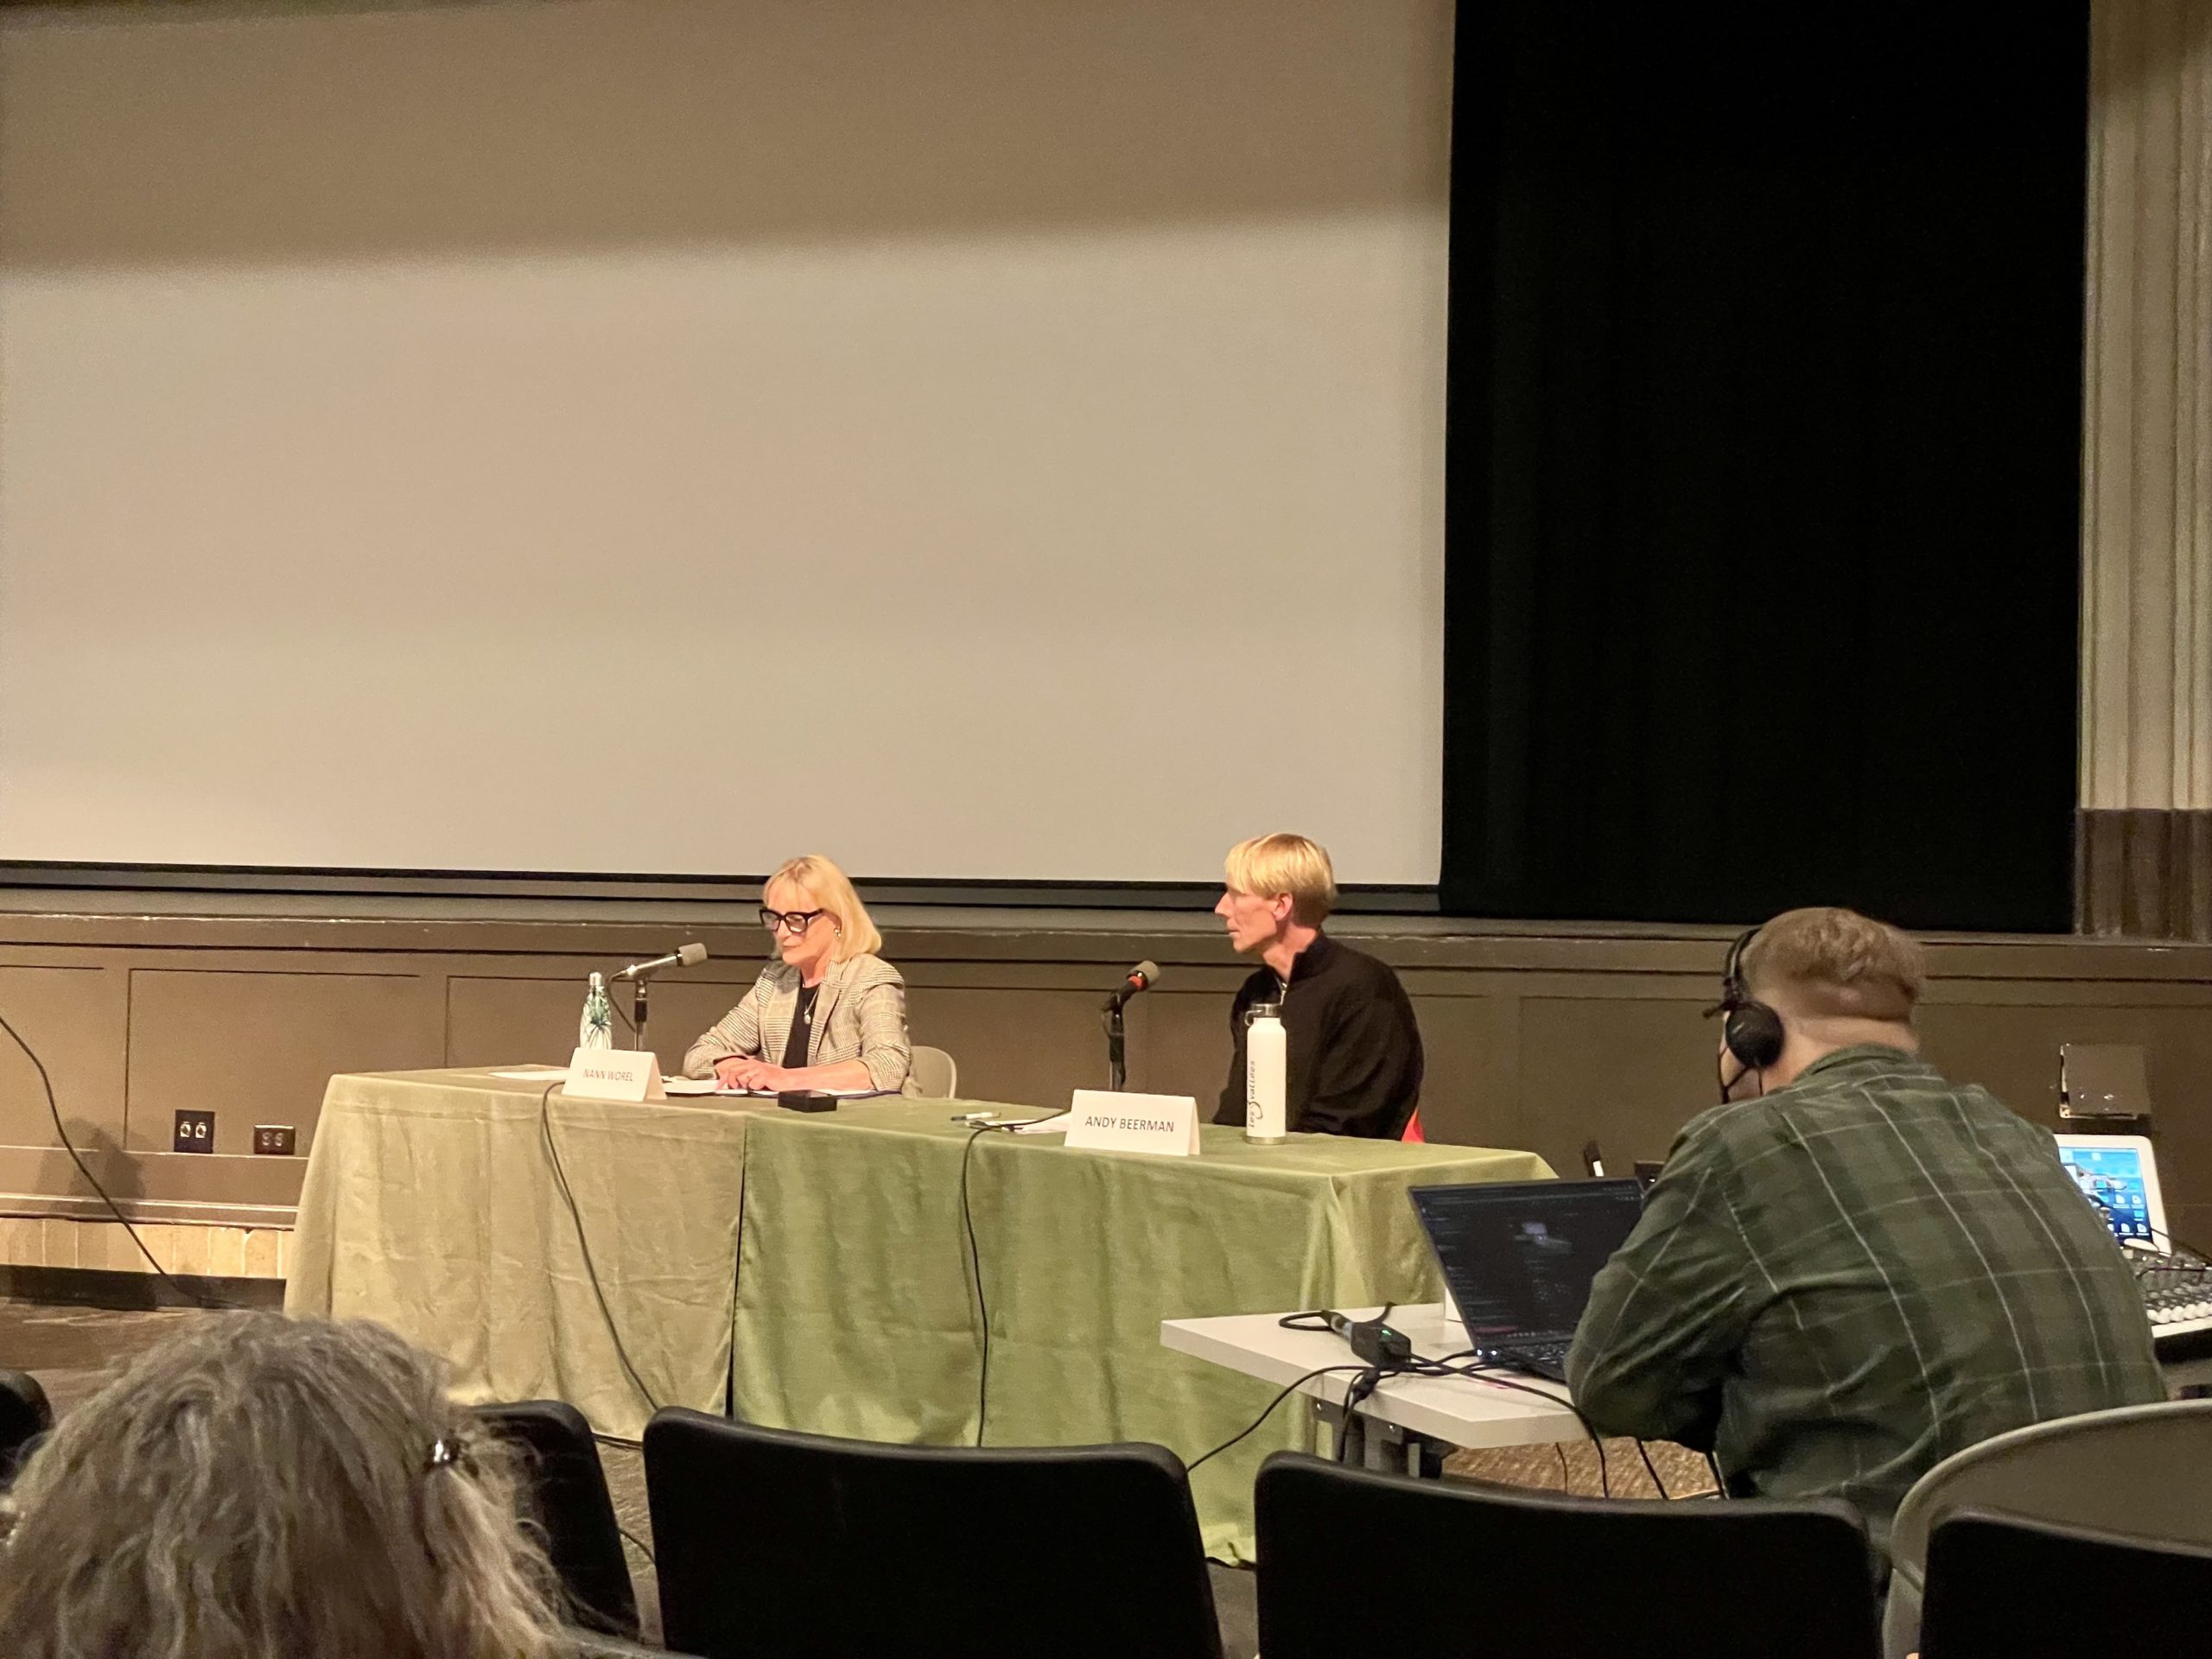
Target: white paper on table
x,y
689,1085
533,1073
770,1094
1058,1124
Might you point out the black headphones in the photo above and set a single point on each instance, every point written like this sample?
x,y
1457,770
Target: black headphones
x,y
1752,1031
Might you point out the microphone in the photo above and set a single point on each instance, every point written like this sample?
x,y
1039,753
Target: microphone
x,y
1374,1342
686,955
1142,977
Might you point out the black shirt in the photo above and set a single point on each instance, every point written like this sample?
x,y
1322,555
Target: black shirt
x,y
1355,1056
802,1028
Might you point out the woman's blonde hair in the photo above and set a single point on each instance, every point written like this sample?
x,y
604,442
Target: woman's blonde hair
x,y
821,879
1268,864
256,1485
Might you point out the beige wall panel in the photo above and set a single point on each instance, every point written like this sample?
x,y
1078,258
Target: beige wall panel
x,y
1541,1041
1470,1091
260,1047
191,1253
504,1022
73,1017
2013,1053
499,1022
22,1240
59,1248
1625,1072
1179,1045
225,1252
1028,1047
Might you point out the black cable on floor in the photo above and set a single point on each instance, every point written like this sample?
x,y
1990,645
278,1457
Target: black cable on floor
x,y
1651,1469
70,1146
1489,1374
1288,1389
1359,1389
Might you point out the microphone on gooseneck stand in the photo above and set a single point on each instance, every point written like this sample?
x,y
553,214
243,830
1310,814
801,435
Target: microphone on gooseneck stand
x,y
685,955
1140,978
637,973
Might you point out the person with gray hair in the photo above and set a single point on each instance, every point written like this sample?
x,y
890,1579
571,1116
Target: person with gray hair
x,y
257,1486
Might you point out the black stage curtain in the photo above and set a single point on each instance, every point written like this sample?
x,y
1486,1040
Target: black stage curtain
x,y
1764,461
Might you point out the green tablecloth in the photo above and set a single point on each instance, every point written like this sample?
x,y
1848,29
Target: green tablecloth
x,y
430,1205
856,1312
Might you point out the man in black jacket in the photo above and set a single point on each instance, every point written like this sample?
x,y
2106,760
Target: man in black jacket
x,y
1355,1060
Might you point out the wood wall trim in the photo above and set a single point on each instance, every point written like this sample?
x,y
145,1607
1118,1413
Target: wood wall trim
x,y
1535,1037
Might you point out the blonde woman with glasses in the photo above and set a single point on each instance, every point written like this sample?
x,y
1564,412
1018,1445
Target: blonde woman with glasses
x,y
828,1014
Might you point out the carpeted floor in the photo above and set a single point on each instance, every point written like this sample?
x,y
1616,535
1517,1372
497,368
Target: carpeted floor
x,y
71,1349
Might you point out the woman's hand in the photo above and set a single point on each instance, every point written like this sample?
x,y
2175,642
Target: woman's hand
x,y
748,1072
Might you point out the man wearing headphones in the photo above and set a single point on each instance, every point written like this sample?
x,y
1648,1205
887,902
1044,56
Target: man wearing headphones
x,y
1851,1269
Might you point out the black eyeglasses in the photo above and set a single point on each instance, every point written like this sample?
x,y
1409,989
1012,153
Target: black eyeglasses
x,y
796,920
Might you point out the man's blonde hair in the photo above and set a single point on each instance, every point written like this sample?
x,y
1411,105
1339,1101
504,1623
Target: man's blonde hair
x,y
1268,864
823,882
1828,963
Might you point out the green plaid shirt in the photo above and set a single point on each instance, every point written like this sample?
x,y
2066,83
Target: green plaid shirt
x,y
1837,1286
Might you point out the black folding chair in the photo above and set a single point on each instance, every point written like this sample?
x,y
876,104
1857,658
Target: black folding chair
x,y
564,1493
2000,1588
24,1415
1352,1561
770,1543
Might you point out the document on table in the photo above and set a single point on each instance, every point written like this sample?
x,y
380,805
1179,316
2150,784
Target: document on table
x,y
770,1094
1055,1124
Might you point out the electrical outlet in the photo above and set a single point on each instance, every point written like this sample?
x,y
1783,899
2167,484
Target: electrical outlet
x,y
195,1131
273,1139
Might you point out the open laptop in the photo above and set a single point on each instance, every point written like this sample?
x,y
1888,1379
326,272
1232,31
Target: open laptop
x,y
1518,1257
2119,1174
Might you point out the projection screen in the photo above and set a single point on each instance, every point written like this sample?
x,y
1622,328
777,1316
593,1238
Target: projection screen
x,y
987,440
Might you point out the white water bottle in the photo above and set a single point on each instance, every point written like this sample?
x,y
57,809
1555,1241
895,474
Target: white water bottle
x,y
1267,1075
596,1028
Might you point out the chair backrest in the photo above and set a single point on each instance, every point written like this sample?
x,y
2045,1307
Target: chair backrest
x,y
2003,1589
24,1415
936,1076
564,1492
2140,1471
1353,1560
769,1543
2144,1472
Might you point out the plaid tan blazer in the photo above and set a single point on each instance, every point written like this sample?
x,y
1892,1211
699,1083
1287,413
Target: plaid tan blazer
x,y
858,1014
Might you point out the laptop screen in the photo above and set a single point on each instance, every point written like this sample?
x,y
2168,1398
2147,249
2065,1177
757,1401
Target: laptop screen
x,y
1519,1256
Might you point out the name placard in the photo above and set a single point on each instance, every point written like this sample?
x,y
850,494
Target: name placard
x,y
1105,1120
614,1074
